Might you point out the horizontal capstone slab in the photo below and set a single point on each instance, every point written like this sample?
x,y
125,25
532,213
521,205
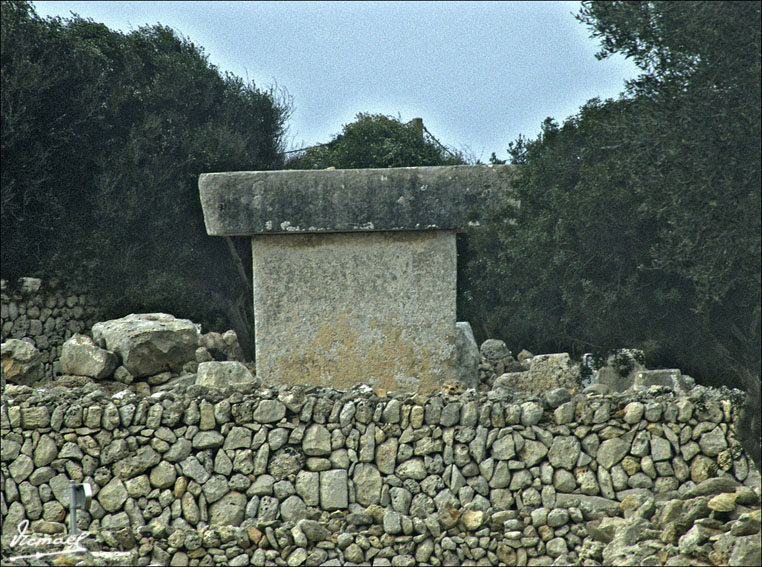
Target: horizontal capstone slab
x,y
343,200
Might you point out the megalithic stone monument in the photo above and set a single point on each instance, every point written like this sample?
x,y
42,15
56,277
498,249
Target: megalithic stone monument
x,y
354,270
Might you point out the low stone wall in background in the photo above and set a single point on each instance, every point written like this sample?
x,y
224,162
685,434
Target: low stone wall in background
x,y
46,316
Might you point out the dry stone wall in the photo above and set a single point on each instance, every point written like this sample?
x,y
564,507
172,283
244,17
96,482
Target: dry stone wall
x,y
45,316
197,475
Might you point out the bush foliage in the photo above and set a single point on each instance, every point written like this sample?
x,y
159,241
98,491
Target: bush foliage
x,y
376,140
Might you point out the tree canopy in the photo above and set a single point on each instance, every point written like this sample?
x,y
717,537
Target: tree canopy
x,y
376,140
104,135
639,223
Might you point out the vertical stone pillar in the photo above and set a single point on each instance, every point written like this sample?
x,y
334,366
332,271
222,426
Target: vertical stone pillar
x,y
354,270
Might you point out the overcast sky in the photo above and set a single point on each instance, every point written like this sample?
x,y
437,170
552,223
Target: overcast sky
x,y
478,73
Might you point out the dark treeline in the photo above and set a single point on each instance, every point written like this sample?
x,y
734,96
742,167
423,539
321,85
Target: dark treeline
x,y
639,223
104,135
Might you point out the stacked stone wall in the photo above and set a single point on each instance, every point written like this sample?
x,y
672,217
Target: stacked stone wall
x,y
312,476
45,315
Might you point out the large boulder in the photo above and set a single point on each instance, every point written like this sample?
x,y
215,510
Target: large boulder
x,y
22,362
149,343
80,356
467,355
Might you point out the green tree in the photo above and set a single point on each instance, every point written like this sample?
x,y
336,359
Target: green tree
x,y
639,223
700,160
376,140
104,135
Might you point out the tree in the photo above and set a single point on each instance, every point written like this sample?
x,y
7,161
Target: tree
x,y
639,223
376,140
701,85
104,135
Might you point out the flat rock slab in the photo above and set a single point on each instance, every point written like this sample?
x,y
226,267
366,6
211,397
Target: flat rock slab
x,y
405,198
149,343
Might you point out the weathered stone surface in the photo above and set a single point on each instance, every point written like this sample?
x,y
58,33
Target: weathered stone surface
x,y
467,355
149,343
533,452
713,442
260,202
340,316
724,502
224,373
22,363
627,361
531,413
229,510
317,441
132,466
549,371
504,448
21,468
80,356
35,417
712,486
612,451
163,475
494,350
633,412
416,477
269,411
333,490
746,551
207,440
45,451
192,468
671,378
368,484
113,495
564,452
557,396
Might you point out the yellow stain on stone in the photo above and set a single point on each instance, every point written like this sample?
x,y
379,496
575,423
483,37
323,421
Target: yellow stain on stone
x,y
338,356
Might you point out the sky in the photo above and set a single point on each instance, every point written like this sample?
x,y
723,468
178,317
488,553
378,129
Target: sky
x,y
479,73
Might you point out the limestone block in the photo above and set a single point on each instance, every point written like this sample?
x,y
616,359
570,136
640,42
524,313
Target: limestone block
x,y
334,494
228,510
377,307
467,354
671,378
28,286
221,374
549,371
404,198
149,343
629,360
22,362
80,357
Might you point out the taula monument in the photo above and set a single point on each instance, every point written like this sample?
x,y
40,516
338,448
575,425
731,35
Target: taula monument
x,y
354,271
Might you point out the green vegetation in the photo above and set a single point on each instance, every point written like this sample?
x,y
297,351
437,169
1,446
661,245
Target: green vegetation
x,y
104,135
639,223
376,140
